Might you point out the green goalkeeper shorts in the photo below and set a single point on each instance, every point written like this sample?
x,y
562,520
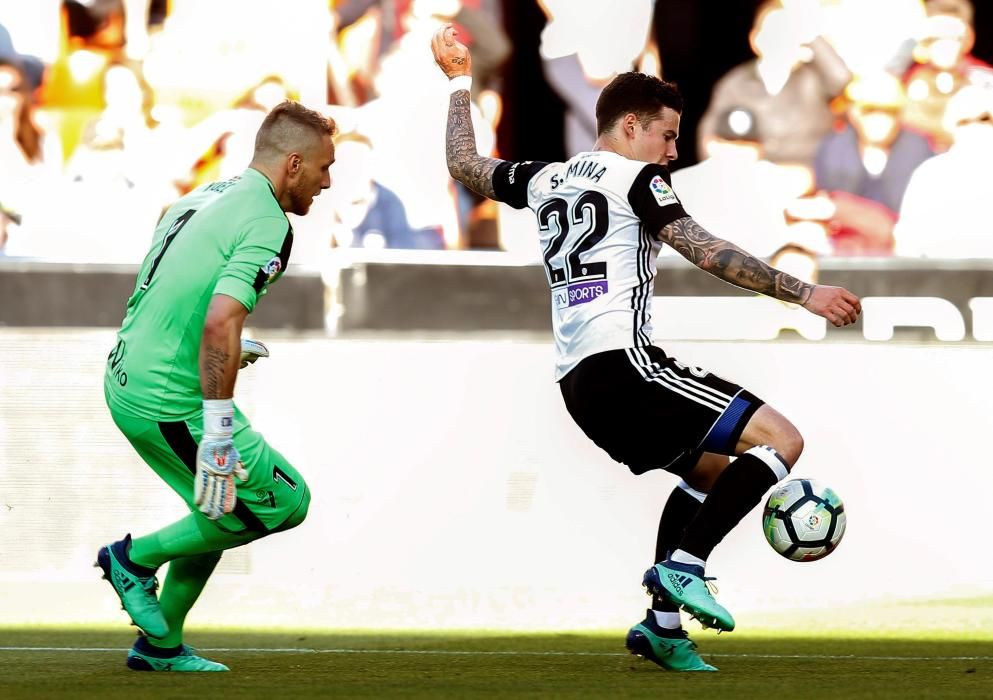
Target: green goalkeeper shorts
x,y
275,496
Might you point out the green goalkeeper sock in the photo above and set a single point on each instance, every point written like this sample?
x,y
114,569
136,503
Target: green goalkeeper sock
x,y
188,537
185,580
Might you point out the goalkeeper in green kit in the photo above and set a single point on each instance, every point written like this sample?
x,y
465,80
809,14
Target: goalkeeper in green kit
x,y
170,380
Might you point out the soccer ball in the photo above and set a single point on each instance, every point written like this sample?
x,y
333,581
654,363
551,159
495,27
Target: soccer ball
x,y
803,520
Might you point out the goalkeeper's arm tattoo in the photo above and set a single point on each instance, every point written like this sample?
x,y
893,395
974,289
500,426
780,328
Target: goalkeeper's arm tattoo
x,y
464,162
730,263
213,372
220,347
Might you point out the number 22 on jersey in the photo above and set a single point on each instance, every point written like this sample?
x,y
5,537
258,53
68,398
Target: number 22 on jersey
x,y
574,232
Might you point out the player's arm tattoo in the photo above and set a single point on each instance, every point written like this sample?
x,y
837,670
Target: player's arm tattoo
x,y
220,346
213,372
732,264
464,162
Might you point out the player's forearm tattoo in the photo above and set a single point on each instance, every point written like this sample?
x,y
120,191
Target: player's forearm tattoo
x,y
732,264
464,162
212,372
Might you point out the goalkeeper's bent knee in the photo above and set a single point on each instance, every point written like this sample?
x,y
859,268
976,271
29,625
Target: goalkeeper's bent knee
x,y
299,515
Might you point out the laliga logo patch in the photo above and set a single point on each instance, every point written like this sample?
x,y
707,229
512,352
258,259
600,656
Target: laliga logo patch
x,y
272,268
662,192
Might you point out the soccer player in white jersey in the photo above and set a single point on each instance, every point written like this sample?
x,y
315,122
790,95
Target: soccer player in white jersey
x,y
602,217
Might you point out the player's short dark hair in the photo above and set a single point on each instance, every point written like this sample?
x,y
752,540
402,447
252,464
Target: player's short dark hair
x,y
284,127
635,93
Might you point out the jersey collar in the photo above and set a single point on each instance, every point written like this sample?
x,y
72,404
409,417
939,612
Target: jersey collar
x,y
256,174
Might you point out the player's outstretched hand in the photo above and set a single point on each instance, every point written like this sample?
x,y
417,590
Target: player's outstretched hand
x,y
452,57
251,350
836,304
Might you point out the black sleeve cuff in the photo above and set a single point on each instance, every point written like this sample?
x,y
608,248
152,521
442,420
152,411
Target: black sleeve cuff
x,y
510,181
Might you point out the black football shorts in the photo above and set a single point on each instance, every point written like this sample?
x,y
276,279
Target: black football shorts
x,y
649,411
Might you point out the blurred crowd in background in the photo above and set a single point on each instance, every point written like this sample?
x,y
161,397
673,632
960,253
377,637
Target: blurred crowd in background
x,y
860,127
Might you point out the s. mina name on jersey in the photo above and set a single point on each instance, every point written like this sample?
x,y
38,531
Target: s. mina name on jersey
x,y
598,217
584,168
592,169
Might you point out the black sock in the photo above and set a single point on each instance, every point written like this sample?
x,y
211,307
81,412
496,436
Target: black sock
x,y
143,646
737,490
122,550
676,516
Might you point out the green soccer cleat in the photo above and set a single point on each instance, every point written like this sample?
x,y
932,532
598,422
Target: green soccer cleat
x,y
136,591
670,649
686,586
144,657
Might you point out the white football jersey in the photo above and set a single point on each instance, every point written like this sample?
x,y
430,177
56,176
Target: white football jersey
x,y
598,217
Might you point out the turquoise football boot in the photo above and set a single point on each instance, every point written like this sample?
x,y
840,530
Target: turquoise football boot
x,y
686,586
670,649
136,589
144,657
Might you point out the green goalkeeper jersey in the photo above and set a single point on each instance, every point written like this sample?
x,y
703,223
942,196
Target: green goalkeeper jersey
x,y
229,237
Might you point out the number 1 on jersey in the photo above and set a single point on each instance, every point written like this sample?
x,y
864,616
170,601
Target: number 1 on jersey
x,y
171,234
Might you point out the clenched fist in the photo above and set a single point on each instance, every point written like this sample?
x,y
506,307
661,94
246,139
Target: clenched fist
x,y
452,57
